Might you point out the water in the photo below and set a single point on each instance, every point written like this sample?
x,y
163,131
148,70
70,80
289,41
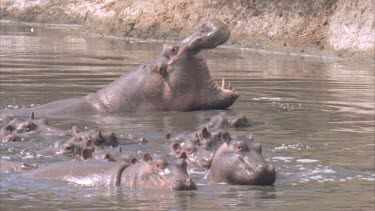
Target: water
x,y
319,115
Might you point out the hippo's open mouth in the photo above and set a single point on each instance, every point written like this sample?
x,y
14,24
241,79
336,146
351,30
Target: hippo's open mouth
x,y
199,88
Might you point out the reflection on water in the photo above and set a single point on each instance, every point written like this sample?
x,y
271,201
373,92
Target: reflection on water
x,y
319,116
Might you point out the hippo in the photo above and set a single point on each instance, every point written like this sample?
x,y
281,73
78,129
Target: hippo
x,y
178,80
113,155
29,129
239,161
159,172
7,166
225,121
198,158
199,147
94,138
83,144
209,141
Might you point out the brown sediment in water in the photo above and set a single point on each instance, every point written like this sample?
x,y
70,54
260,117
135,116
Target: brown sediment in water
x,y
319,27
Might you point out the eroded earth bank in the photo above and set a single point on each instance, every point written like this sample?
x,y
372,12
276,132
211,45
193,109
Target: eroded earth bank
x,y
323,27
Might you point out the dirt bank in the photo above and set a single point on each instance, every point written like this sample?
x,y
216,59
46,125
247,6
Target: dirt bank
x,y
327,27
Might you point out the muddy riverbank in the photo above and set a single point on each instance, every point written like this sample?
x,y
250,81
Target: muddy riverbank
x,y
324,27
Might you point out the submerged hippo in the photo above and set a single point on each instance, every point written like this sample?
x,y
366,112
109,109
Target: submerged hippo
x,y
160,172
29,129
225,121
12,166
179,80
239,161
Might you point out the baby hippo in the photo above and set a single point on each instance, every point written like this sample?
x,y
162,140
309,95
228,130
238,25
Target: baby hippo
x,y
161,172
239,161
198,158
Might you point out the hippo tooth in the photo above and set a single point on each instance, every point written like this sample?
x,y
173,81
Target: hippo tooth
x,y
229,86
223,83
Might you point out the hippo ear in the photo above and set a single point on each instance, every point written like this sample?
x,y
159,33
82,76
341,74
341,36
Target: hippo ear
x,y
73,131
205,132
218,135
161,69
113,136
251,138
168,136
226,137
100,134
133,160
182,155
176,146
32,116
89,143
107,156
147,157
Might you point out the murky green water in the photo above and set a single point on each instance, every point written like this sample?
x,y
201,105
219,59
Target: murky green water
x,y
319,130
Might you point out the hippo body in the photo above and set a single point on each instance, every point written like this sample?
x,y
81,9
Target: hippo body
x,y
88,173
161,172
178,80
239,161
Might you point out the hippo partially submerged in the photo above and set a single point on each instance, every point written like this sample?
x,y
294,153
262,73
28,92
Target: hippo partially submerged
x,y
159,172
179,80
29,129
239,161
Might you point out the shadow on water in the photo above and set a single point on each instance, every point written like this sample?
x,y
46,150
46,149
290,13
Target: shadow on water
x,y
318,131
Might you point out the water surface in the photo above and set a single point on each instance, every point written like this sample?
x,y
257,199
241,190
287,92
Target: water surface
x,y
319,115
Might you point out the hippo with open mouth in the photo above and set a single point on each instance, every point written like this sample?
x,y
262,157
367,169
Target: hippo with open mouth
x,y
179,80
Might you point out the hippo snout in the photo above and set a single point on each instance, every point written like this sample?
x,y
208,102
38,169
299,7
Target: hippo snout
x,y
264,174
180,185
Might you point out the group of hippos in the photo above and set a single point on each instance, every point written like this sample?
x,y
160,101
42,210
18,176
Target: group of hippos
x,y
178,80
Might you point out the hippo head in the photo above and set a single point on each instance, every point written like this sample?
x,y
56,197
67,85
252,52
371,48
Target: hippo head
x,y
166,172
239,160
183,74
197,156
19,126
209,141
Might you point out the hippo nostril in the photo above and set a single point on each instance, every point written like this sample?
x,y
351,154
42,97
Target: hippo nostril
x,y
190,184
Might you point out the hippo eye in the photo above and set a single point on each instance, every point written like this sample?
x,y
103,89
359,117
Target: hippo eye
x,y
159,166
68,149
238,149
29,126
190,149
174,49
9,128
